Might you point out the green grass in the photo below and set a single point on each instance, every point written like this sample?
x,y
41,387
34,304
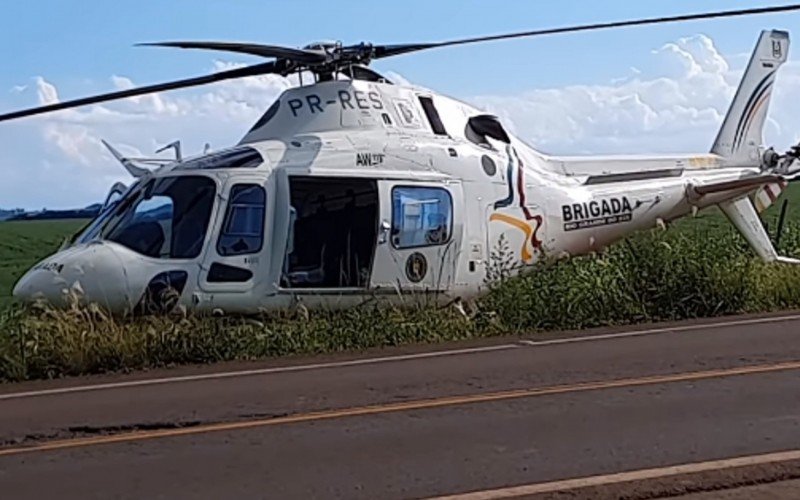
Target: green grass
x,y
656,275
700,267
23,243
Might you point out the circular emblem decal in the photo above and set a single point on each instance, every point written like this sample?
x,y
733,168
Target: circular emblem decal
x,y
416,267
488,166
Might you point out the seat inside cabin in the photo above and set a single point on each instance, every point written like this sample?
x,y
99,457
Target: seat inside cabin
x,y
333,232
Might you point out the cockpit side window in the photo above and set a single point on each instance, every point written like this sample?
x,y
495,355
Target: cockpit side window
x,y
433,115
243,229
168,218
93,229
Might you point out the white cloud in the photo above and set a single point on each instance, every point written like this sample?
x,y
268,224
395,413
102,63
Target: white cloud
x,y
677,106
674,104
47,92
65,163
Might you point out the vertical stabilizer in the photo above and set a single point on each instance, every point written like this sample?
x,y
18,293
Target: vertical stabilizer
x,y
740,138
742,213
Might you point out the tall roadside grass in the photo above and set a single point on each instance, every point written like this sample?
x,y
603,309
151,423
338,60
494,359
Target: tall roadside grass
x,y
46,343
653,276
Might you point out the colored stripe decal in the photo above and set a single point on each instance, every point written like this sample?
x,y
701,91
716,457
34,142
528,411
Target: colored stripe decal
x,y
752,99
530,234
768,190
510,178
754,110
535,241
747,107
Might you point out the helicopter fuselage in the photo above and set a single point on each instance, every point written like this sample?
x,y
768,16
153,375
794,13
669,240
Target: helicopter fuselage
x,y
349,190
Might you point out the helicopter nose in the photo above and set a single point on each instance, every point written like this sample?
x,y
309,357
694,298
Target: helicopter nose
x,y
89,273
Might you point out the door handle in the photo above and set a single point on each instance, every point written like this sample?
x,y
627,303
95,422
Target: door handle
x,y
383,232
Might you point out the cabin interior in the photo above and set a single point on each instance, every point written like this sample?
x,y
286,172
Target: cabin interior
x,y
333,232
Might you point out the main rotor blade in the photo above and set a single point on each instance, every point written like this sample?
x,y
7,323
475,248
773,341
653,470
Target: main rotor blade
x,y
382,51
258,69
299,55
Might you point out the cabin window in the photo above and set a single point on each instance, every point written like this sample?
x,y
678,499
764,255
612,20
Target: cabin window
x,y
433,116
223,273
243,229
421,216
480,127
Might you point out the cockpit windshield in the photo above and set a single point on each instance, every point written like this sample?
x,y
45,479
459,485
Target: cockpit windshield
x,y
166,218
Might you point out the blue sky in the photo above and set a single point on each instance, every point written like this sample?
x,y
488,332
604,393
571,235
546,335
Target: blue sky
x,y
72,42
79,46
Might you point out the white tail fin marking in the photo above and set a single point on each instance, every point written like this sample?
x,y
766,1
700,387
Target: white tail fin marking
x,y
740,137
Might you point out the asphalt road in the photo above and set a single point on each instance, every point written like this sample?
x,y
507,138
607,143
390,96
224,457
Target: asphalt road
x,y
481,418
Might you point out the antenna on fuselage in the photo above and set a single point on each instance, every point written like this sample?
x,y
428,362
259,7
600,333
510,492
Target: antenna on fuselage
x,y
176,145
132,169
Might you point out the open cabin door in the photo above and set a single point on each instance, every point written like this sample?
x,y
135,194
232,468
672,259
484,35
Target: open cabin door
x,y
332,227
419,236
236,252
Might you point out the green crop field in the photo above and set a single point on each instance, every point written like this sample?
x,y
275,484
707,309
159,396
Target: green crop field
x,y
23,243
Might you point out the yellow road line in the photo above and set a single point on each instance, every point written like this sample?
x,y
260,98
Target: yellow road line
x,y
403,406
624,477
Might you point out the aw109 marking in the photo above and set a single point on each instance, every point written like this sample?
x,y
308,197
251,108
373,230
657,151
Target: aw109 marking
x,y
354,188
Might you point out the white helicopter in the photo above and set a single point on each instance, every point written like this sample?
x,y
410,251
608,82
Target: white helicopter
x,y
352,188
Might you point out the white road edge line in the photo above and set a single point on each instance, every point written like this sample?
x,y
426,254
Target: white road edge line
x,y
389,359
622,477
653,331
257,371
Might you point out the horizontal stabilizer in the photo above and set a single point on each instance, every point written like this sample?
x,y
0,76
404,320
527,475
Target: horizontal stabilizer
x,y
745,184
132,169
